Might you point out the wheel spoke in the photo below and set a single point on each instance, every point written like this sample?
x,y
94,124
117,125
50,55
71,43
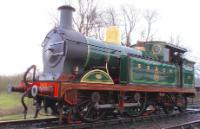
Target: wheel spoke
x,y
87,110
136,111
181,103
168,104
83,102
84,97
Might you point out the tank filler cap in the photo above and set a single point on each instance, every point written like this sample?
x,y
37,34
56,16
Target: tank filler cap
x,y
113,35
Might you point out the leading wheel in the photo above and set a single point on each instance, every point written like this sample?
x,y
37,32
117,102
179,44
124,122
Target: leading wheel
x,y
88,107
138,98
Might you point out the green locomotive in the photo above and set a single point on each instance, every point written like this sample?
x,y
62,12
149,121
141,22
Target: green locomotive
x,y
89,78
159,64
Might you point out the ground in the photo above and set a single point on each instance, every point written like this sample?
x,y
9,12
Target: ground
x,y
11,108
9,105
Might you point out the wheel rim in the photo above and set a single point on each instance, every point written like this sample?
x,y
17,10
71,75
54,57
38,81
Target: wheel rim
x,y
168,108
136,111
181,103
88,111
168,105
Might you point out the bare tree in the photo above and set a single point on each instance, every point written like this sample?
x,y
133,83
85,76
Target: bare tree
x,y
87,16
197,81
197,69
98,30
150,17
67,2
175,40
130,17
110,17
54,19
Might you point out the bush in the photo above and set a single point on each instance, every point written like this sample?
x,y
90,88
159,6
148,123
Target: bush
x,y
5,81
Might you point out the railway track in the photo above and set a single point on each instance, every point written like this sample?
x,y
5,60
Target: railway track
x,y
142,122
187,125
25,124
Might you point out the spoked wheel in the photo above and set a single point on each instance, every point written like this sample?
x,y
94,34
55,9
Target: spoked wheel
x,y
88,107
168,104
140,99
181,103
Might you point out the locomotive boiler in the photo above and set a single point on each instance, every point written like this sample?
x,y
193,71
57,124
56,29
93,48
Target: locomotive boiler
x,y
67,52
85,78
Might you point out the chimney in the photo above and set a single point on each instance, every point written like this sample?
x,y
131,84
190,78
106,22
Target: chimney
x,y
66,16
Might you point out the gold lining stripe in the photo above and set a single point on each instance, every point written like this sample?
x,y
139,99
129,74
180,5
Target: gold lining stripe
x,y
83,79
88,56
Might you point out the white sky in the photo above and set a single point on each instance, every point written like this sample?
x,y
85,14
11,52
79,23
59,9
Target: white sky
x,y
24,24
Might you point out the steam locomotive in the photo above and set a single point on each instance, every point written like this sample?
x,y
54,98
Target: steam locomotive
x,y
87,79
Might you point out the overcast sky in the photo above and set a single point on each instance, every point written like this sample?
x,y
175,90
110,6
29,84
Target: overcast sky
x,y
24,24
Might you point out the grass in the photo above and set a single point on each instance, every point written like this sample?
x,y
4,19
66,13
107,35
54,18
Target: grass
x,y
9,100
21,117
9,104
11,117
11,108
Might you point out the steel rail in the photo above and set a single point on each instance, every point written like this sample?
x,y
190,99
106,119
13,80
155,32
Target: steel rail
x,y
53,123
187,125
28,122
126,123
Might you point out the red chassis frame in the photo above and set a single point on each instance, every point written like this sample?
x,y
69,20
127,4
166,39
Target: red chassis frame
x,y
66,90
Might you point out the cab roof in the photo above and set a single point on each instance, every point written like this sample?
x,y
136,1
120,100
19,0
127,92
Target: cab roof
x,y
173,47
